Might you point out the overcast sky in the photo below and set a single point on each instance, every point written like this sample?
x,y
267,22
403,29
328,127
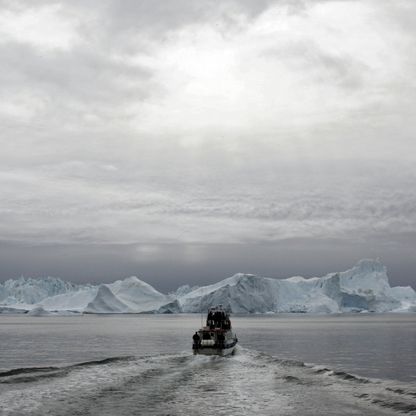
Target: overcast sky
x,y
184,141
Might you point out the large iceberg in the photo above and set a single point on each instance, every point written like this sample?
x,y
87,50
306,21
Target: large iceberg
x,y
29,290
128,295
76,301
363,288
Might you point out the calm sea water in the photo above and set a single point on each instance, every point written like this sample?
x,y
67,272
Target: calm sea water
x,y
142,364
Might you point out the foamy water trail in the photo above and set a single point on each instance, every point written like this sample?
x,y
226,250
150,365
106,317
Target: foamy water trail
x,y
182,384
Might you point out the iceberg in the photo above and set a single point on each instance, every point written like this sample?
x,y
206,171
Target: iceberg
x,y
363,288
106,302
39,311
130,295
76,300
28,290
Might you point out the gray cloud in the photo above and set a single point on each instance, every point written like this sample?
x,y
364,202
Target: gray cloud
x,y
199,124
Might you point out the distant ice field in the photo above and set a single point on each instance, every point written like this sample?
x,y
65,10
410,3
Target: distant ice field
x,y
142,364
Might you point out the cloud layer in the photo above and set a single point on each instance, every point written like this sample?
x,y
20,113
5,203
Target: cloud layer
x,y
150,122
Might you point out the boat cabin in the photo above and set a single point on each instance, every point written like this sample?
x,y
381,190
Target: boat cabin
x,y
218,319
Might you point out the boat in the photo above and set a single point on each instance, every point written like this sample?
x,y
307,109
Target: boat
x,y
217,337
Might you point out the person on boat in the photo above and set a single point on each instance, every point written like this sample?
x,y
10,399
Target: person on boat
x,y
210,319
197,339
221,339
217,319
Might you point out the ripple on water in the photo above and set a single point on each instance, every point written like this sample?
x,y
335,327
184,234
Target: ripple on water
x,y
175,384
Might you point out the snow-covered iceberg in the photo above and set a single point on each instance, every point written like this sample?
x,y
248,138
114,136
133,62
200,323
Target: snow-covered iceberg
x,y
130,295
29,291
76,301
39,311
365,287
106,302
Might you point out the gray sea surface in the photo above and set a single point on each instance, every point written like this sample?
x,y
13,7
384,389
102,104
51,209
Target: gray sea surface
x,y
361,364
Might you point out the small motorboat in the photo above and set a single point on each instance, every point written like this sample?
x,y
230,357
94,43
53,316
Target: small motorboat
x,y
217,337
